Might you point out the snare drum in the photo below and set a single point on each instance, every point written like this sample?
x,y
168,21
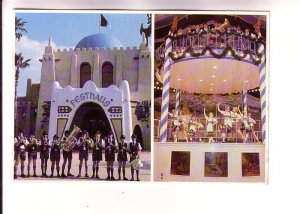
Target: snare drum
x,y
136,163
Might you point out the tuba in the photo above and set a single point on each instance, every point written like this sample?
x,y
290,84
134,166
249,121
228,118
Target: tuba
x,y
69,145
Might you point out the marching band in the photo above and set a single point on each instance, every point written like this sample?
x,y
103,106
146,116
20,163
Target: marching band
x,y
186,127
83,144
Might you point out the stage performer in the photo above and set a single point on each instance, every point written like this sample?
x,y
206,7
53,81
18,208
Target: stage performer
x,y
227,122
211,121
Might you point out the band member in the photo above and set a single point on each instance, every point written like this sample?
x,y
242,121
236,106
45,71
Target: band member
x,y
122,157
20,153
84,143
32,154
67,155
227,122
98,145
44,153
211,121
135,149
110,148
55,155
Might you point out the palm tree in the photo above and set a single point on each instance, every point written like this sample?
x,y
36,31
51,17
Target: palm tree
x,y
19,28
20,63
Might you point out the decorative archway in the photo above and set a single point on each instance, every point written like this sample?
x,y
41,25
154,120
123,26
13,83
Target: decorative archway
x,y
91,117
77,106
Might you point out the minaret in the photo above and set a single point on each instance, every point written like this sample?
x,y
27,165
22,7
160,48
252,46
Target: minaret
x,y
144,74
46,82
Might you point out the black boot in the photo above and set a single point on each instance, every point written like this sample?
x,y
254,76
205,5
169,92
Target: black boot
x,y
28,171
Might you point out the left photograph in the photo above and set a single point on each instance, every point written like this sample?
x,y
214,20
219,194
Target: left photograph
x,y
82,96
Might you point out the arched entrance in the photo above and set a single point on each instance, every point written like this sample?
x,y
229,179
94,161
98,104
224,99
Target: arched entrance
x,y
91,117
138,132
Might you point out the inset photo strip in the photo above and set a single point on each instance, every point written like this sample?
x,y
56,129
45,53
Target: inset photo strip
x,y
82,96
211,97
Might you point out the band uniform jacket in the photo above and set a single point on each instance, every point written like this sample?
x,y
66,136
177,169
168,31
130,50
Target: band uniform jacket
x,y
55,152
44,151
122,153
110,148
97,149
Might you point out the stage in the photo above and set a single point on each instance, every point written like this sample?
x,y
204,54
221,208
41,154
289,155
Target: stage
x,y
209,162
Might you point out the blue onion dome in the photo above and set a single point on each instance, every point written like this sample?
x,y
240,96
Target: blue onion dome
x,y
100,41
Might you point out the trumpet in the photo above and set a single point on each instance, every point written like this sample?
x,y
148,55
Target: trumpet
x,y
33,141
69,143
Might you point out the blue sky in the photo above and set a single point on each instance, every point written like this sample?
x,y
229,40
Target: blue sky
x,y
66,30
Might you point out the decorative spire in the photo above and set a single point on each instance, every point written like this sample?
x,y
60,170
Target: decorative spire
x,y
49,41
144,41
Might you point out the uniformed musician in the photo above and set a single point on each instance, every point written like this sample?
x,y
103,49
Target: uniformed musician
x,y
84,143
122,157
135,149
44,153
32,149
55,155
20,144
110,148
98,145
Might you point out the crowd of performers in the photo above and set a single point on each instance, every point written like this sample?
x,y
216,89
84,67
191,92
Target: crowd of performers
x,y
52,149
186,127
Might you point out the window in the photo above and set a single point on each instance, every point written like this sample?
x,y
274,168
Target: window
x,y
107,75
85,73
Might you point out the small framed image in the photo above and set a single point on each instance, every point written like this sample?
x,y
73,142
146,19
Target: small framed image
x,y
250,164
180,163
216,164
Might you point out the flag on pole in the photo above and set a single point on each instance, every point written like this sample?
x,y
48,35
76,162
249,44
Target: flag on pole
x,y
103,21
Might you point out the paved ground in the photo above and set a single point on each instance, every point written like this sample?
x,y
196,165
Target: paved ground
x,y
145,171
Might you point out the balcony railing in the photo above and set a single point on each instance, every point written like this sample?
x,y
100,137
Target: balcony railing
x,y
201,135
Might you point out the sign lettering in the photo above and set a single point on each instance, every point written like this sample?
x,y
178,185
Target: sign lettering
x,y
90,96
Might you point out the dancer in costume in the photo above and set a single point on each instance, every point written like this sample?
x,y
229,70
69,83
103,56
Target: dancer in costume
x,y
211,121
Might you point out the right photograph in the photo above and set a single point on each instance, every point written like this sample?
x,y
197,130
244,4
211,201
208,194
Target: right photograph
x,y
211,97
